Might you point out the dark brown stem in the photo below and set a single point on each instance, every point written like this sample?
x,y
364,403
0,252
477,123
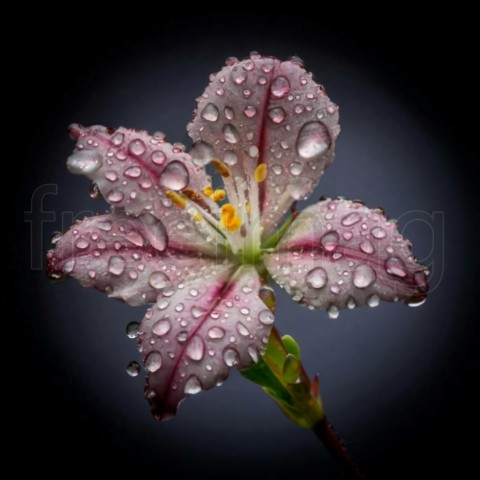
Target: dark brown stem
x,y
326,434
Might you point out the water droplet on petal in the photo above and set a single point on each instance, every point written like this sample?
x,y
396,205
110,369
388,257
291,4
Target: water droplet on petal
x,y
137,147
116,265
158,280
216,333
117,139
133,172
367,247
395,266
253,352
378,232
133,368
276,115
316,278
84,162
333,312
296,168
111,176
250,111
373,301
329,241
242,329
153,362
132,329
201,153
175,176
266,317
351,219
230,133
229,113
210,112
280,87
68,266
197,311
158,157
415,301
82,243
277,169
162,327
363,276
192,386
313,140
230,357
195,348
115,196
230,158
351,303
239,77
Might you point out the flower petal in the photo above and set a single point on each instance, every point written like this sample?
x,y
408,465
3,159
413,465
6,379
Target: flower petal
x,y
338,254
128,258
190,339
133,169
263,111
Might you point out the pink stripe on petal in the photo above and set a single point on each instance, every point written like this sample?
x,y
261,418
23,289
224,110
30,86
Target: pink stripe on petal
x,y
190,338
131,259
340,254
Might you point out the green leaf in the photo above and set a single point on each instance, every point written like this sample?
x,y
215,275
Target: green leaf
x,y
291,345
291,368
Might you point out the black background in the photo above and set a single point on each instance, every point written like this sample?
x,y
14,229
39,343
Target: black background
x,y
69,410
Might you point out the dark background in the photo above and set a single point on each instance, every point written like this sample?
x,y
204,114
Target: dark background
x,y
398,383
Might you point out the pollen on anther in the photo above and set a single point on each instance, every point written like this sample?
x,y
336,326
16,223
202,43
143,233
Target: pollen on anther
x,y
177,199
260,173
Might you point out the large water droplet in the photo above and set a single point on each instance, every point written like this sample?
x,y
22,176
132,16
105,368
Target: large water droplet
x,y
363,276
192,386
82,243
117,139
210,112
195,348
116,265
351,219
230,357
115,196
162,327
137,147
216,333
250,111
373,301
266,317
133,368
84,162
158,280
313,140
153,362
378,232
230,133
242,329
329,241
366,246
132,329
333,312
316,278
229,113
280,87
230,158
296,168
197,311
68,266
395,266
253,352
133,172
239,77
276,115
201,153
158,157
175,176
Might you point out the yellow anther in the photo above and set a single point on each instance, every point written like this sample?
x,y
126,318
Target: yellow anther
x,y
177,199
208,191
260,173
197,217
222,169
229,218
218,195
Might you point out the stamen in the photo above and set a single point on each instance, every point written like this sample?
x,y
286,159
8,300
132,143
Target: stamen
x,y
218,195
176,198
221,168
208,191
229,218
260,173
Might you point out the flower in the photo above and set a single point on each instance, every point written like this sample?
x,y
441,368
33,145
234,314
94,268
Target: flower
x,y
203,256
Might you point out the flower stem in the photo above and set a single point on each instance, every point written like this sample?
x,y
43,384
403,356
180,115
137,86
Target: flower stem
x,y
336,448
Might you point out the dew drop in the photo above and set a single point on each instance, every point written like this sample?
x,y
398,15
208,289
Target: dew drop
x,y
153,362
158,157
239,77
253,352
280,87
111,176
216,333
333,312
175,176
378,232
329,241
351,303
313,140
351,219
296,168
82,243
197,311
347,235
367,247
117,139
68,266
250,111
316,278
395,266
242,329
230,133
162,327
115,196
373,301
158,280
230,158
276,115
84,162
133,172
230,357
195,349
266,317
201,153
116,265
133,368
210,112
132,329
363,276
137,147
192,386
229,113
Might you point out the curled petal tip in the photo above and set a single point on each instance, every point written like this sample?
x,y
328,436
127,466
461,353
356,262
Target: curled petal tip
x,y
75,131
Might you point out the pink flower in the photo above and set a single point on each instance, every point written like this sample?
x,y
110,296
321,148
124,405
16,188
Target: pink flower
x,y
269,129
